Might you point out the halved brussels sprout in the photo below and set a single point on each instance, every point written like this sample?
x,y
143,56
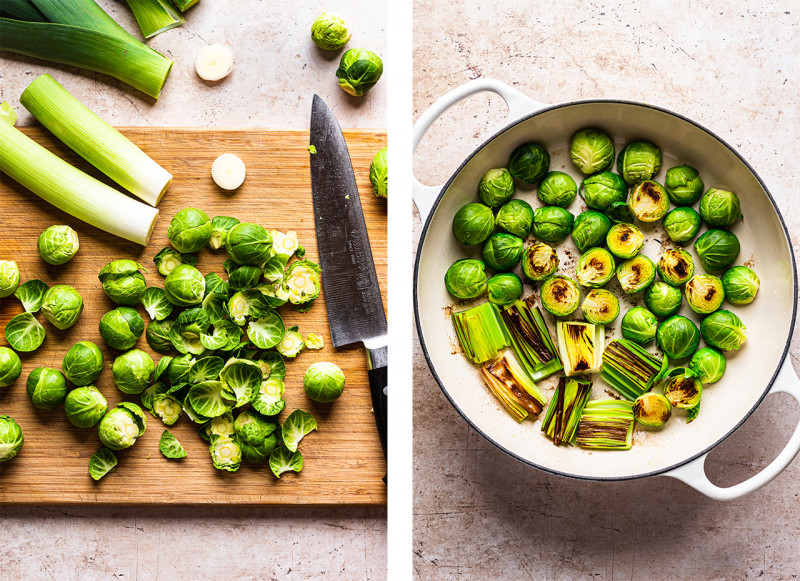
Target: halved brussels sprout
x,y
678,337
329,31
132,371
473,223
557,189
595,268
515,217
560,295
663,299
649,201
539,261
704,293
121,425
9,278
620,213
62,305
167,408
529,162
496,187
675,266
302,282
149,394
552,224
504,288
83,363
189,230
24,333
249,244
359,70
723,330
291,344
684,185
636,274
185,286
717,249
122,327
502,251
601,190
591,150
226,453
219,426
244,277
85,406
187,330
257,436
10,367
249,303
625,240
466,278
58,244
652,409
708,364
167,259
157,335
639,325
324,382
682,224
220,228
123,281
682,388
741,285
11,439
269,397
47,388
590,229
719,207
600,307
379,173
638,161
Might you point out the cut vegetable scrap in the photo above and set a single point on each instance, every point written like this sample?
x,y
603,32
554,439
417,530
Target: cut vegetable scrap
x,y
581,346
606,425
214,62
564,412
510,384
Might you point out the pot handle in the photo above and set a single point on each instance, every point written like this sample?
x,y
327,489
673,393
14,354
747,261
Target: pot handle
x,y
694,473
518,105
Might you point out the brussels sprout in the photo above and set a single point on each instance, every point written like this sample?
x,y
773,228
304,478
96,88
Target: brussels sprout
x,y
283,460
268,398
723,330
220,228
226,453
502,251
158,333
591,150
595,267
24,333
62,305
178,369
225,335
9,278
620,213
46,388
601,190
639,325
652,409
678,337
719,207
286,245
170,447
504,288
682,388
684,185
219,426
244,277
85,406
189,230
10,438
717,249
58,244
187,329
379,173
682,224
529,162
185,286
10,367
323,382
539,261
557,189
256,435
266,331
167,408
123,281
741,285
101,463
249,244
552,224
663,299
215,306
515,217
636,274
314,341
466,278
708,364
290,345
249,303
704,293
121,425
625,240
329,31
31,294
639,161
302,282
215,284
121,328
359,70
149,394
156,304
206,369
496,187
168,259
298,425
600,307
560,295
675,266
83,363
590,229
473,223
132,371
649,201
211,399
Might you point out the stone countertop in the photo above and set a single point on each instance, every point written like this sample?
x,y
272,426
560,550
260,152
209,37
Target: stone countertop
x,y
277,70
480,514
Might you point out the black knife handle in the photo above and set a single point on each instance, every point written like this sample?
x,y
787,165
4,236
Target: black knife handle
x,y
378,371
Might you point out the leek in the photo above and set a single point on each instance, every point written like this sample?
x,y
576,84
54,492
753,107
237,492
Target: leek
x,y
630,369
481,332
606,425
512,387
581,346
95,140
564,412
21,10
83,14
531,340
184,5
7,113
155,16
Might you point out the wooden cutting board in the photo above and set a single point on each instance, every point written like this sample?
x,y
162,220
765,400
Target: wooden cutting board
x,y
343,462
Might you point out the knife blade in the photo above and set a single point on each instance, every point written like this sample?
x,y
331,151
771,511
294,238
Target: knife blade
x,y
349,281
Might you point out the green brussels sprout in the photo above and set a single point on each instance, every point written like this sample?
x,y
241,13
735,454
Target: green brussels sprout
x,y
121,328
266,331
601,190
323,382
708,364
121,425
473,223
10,367
187,329
741,285
591,150
244,277
379,173
560,295
83,363
717,249
359,71
600,307
168,259
9,278
719,207
302,282
539,261
529,162
85,406
515,217
226,453
639,161
132,371
10,438
58,244
496,187
329,31
552,224
557,189
268,398
652,409
682,224
466,278
502,251
590,229
684,185
249,244
663,299
24,333
649,201
620,213
291,344
504,288
170,447
639,325
46,387
158,336
723,330
185,286
595,268
636,274
625,240
704,293
101,463
149,394
675,266
682,388
189,230
178,369
678,337
62,305
123,281
167,408
220,228
257,435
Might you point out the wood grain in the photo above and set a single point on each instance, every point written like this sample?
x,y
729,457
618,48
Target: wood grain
x,y
343,460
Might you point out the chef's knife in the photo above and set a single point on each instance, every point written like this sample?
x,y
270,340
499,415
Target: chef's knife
x,y
349,282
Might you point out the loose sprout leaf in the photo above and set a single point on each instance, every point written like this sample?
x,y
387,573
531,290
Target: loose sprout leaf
x,y
266,331
193,415
170,446
312,149
215,306
101,463
274,268
243,377
24,333
156,304
276,364
162,366
268,399
211,398
215,284
225,336
31,294
298,424
150,393
283,460
205,369
244,277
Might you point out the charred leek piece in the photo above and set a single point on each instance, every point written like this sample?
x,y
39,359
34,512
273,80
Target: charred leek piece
x,y
531,340
564,412
606,425
510,384
581,346
21,10
630,369
155,16
481,332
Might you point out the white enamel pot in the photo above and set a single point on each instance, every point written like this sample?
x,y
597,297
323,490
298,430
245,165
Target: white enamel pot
x,y
760,368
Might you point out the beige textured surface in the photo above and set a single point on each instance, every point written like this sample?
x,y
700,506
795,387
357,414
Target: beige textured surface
x,y
478,513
